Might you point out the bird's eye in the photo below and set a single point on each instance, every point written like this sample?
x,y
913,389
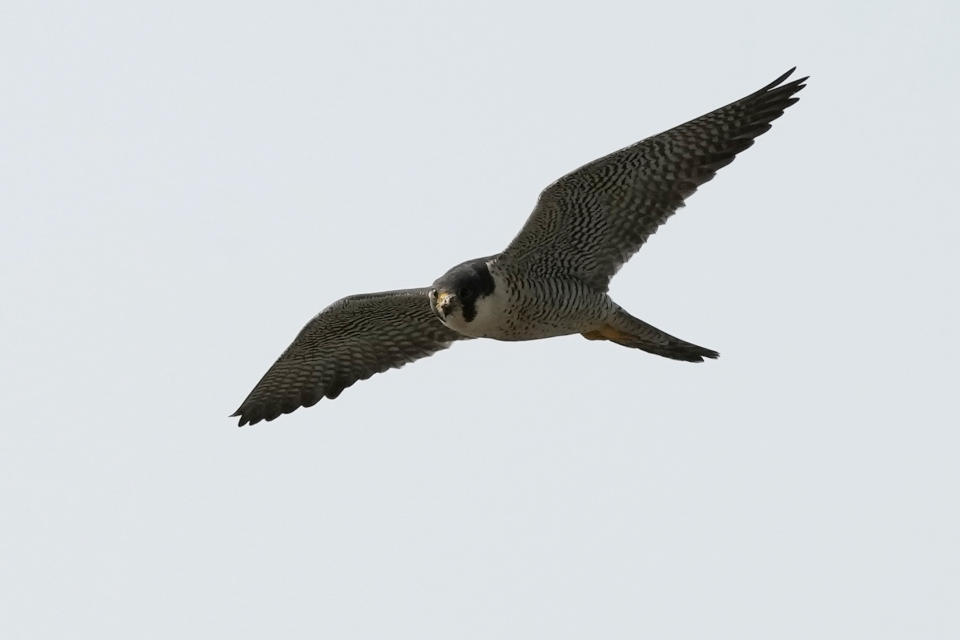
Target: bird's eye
x,y
433,293
465,292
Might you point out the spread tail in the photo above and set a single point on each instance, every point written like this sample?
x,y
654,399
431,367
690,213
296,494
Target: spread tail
x,y
632,332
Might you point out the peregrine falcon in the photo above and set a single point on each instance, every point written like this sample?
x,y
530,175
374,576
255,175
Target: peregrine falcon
x,y
550,281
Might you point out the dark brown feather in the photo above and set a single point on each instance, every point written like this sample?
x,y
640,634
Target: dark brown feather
x,y
590,221
352,339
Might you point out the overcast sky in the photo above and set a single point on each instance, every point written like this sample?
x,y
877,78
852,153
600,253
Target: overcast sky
x,y
184,185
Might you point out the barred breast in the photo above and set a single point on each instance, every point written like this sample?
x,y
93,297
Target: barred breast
x,y
528,308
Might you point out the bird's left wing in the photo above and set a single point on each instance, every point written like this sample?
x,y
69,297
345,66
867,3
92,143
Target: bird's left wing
x,y
590,221
350,340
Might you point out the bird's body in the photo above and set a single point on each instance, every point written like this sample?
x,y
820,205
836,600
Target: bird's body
x,y
550,281
525,308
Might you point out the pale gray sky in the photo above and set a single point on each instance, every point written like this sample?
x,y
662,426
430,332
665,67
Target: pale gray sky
x,y
184,185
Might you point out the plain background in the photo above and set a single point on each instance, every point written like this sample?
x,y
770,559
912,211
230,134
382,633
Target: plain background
x,y
185,184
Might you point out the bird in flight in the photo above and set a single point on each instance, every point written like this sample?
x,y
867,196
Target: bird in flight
x,y
552,280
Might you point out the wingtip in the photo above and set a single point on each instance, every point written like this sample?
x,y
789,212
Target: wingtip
x,y
781,78
244,420
779,81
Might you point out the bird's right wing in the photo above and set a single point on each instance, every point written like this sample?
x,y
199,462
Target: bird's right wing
x,y
350,340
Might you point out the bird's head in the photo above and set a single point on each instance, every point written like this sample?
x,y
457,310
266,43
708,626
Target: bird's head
x,y
456,294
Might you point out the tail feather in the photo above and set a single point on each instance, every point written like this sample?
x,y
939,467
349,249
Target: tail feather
x,y
632,332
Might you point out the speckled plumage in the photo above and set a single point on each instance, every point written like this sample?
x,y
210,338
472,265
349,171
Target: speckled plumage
x,y
350,340
590,221
551,280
